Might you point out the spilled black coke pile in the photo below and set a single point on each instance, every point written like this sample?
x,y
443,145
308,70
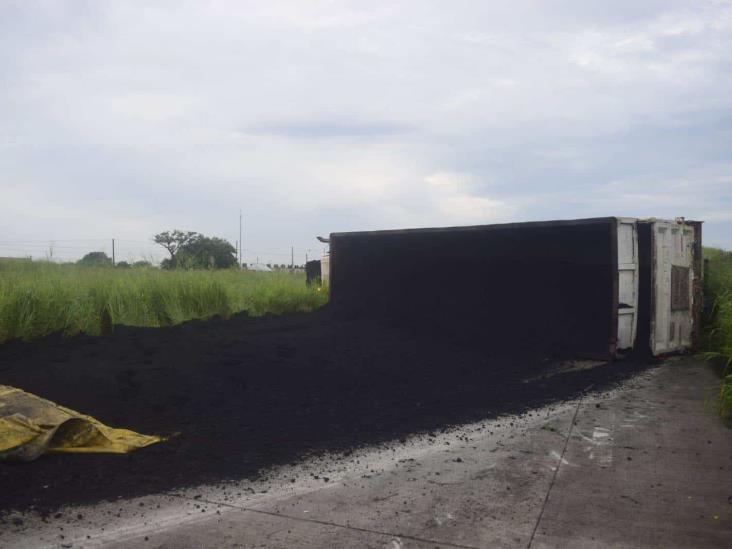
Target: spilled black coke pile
x,y
240,395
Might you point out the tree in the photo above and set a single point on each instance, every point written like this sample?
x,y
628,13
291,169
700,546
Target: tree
x,y
174,241
95,258
123,265
141,264
207,253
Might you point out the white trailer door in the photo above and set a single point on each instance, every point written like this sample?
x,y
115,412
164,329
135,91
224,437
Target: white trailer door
x,y
627,282
673,273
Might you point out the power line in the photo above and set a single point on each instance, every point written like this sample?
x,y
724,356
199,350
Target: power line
x,y
57,240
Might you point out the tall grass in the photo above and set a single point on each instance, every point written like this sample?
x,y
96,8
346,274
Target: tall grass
x,y
39,298
718,321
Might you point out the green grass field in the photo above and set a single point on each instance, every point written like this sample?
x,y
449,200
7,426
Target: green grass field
x,y
718,321
39,298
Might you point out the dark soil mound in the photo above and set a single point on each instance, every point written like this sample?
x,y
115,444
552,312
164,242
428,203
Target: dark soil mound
x,y
245,394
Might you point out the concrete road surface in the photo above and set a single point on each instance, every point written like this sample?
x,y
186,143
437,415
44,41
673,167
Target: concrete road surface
x,y
647,465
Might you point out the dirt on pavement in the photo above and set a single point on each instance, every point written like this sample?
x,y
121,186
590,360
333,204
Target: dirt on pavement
x,y
240,395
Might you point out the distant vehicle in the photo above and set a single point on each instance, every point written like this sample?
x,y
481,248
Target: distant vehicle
x,y
261,267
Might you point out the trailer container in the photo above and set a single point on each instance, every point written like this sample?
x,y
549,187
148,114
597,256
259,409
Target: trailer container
x,y
596,287
312,273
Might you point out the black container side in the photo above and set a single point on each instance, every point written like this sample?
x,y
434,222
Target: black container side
x,y
547,287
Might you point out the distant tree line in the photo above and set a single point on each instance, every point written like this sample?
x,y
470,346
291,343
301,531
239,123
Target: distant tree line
x,y
188,250
100,259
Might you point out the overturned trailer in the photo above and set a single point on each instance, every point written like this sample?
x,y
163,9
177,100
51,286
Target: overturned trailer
x,y
600,287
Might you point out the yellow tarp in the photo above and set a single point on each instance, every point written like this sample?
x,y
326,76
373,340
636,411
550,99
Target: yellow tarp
x,y
31,426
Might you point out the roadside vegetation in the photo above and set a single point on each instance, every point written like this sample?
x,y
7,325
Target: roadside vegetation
x,y
718,321
40,298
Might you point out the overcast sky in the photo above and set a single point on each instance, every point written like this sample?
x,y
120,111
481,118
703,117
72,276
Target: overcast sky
x,y
122,119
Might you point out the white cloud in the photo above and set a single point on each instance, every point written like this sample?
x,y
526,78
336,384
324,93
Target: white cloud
x,y
451,197
700,194
341,115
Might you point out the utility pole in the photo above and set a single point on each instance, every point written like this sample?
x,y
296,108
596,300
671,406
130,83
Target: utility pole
x,y
292,257
113,262
241,243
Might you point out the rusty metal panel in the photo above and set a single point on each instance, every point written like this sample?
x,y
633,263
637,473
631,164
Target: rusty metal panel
x,y
680,289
